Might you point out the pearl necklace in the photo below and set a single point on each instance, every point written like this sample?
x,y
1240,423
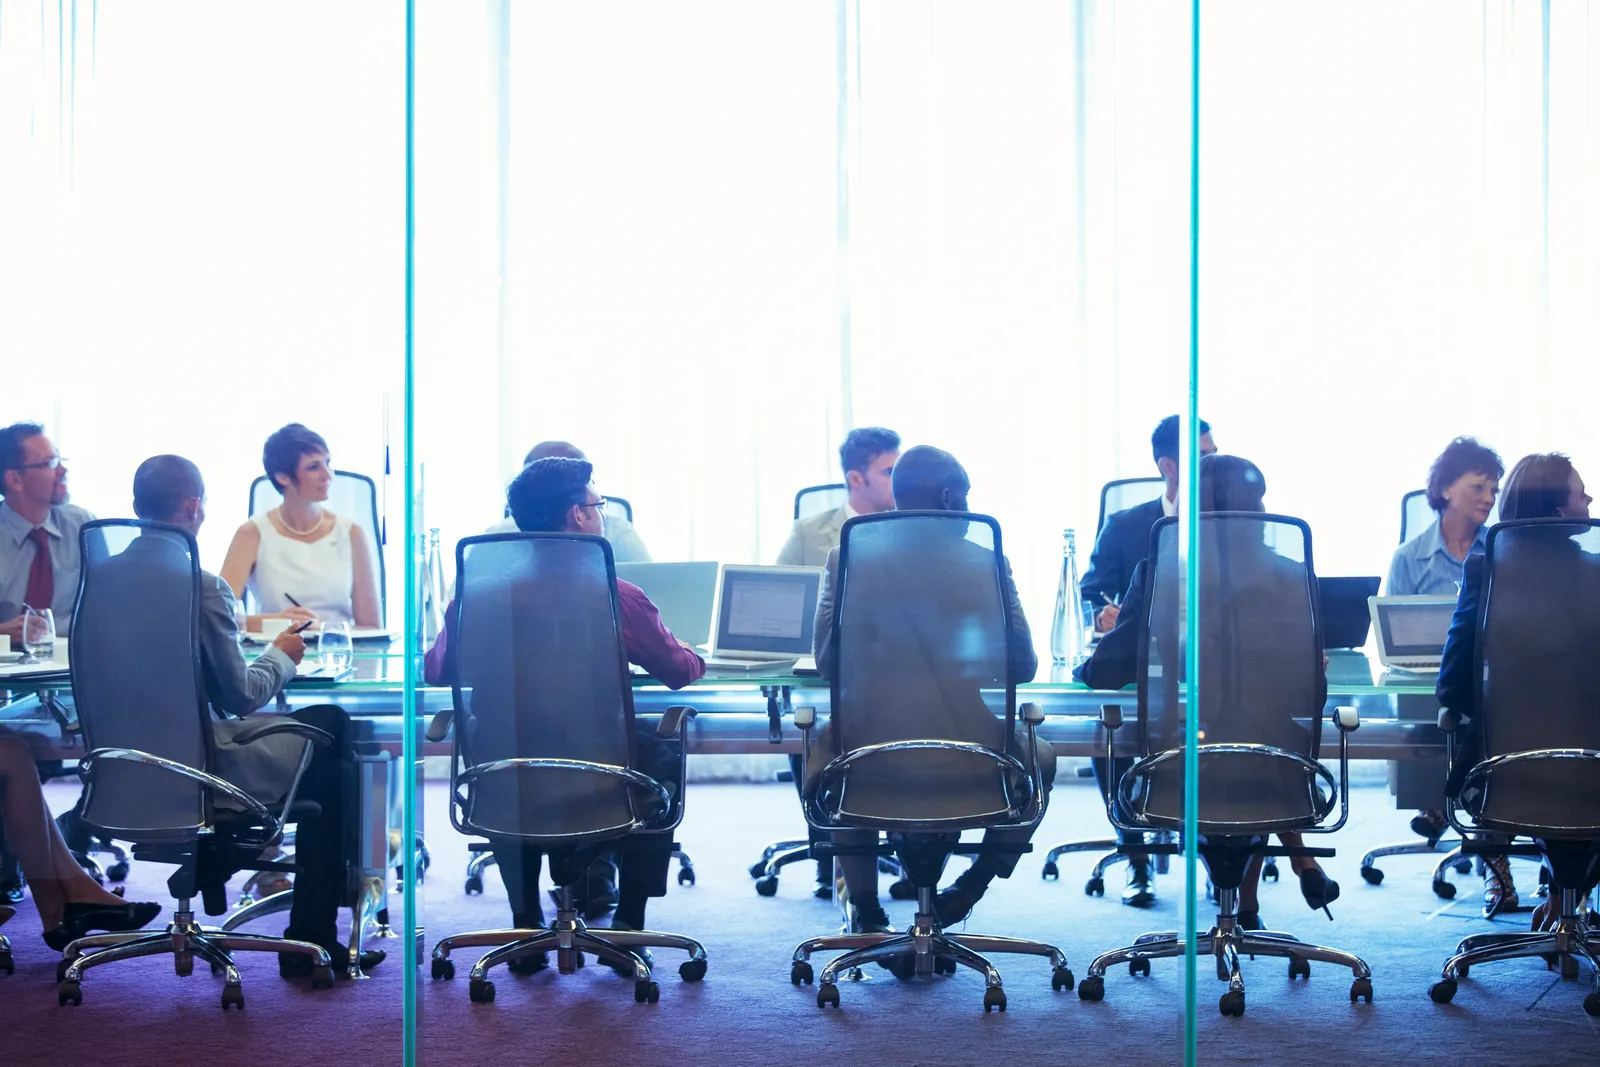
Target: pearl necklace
x,y
300,533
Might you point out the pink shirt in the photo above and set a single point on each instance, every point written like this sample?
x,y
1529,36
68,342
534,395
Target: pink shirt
x,y
649,643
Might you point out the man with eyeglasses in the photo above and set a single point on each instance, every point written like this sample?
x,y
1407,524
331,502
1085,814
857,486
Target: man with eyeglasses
x,y
39,557
626,545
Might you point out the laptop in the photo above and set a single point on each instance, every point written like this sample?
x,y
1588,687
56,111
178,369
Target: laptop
x,y
1345,615
764,618
684,593
1411,631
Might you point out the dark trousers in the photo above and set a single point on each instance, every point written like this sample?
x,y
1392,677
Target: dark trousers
x,y
1108,782
325,845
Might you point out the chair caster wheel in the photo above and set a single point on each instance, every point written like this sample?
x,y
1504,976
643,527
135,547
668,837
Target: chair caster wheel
x,y
1231,1004
1050,872
902,889
1269,871
61,970
828,994
758,869
8,965
1443,992
1139,967
686,876
800,971
1095,887
118,872
767,885
69,993
945,965
474,885
1463,866
1092,988
1061,978
232,997
322,977
1463,970
1299,967
443,969
1372,875
1444,890
481,991
692,970
887,866
1361,989
646,992
994,998
1591,1003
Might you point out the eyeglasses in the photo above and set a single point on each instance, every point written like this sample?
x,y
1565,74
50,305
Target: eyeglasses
x,y
600,504
45,464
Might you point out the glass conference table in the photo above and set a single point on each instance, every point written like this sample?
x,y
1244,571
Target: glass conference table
x,y
751,712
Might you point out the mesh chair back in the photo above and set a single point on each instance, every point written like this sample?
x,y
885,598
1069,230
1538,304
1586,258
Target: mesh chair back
x,y
136,676
541,673
1538,626
1127,493
1260,669
815,499
921,631
352,495
1415,514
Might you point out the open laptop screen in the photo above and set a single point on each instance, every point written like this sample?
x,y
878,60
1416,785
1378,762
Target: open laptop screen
x,y
1414,628
767,611
684,594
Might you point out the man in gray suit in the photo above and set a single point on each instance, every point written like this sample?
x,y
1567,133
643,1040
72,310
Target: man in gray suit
x,y
169,489
868,456
947,702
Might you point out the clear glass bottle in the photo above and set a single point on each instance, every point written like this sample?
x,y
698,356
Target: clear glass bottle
x,y
1068,638
432,591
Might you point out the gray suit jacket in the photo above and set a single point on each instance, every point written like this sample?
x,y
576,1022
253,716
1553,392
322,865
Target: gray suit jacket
x,y
812,538
266,768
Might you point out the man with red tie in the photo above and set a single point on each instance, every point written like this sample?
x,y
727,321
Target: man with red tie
x,y
39,554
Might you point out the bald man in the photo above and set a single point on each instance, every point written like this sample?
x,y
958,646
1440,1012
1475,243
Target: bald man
x,y
930,479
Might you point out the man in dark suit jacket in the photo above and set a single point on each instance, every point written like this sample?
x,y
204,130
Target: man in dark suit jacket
x,y
1123,544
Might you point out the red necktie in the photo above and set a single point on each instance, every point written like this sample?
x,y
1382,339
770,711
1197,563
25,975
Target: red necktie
x,y
41,578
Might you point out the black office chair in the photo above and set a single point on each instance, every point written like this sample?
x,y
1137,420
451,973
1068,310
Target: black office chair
x,y
544,751
1125,493
141,700
1533,744
352,495
1261,675
920,743
617,503
815,499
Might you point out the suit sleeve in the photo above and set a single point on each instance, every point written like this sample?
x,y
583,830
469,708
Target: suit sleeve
x,y
793,552
1455,689
1104,576
1024,659
1115,662
232,685
822,627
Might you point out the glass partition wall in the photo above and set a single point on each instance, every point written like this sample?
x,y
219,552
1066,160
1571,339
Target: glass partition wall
x,y
201,249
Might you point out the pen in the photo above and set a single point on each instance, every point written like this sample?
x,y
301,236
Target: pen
x,y
1108,600
301,627
297,603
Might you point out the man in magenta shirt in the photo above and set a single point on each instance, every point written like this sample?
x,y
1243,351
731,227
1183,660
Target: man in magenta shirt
x,y
557,495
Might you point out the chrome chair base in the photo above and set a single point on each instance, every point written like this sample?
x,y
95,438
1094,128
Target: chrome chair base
x,y
568,936
926,950
1372,874
1227,942
183,939
1572,942
364,917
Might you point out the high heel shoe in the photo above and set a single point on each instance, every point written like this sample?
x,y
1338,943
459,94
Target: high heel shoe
x,y
79,920
1499,891
1319,890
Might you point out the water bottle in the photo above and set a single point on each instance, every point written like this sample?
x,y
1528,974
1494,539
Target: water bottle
x,y
1068,636
432,591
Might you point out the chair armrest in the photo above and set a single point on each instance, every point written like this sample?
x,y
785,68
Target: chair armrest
x,y
1449,721
1032,714
673,720
252,734
1347,719
805,716
1111,716
439,728
210,781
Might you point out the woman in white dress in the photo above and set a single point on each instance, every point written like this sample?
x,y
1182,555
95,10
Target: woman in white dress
x,y
300,554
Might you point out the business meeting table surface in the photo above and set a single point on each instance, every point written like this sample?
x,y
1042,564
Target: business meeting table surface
x,y
751,712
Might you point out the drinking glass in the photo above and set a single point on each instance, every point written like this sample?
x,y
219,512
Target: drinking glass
x,y
38,636
334,645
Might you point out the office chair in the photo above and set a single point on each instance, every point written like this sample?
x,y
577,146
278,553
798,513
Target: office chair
x,y
1259,771
923,691
483,858
353,495
1531,753
141,700
815,499
544,751
1115,496
620,504
7,965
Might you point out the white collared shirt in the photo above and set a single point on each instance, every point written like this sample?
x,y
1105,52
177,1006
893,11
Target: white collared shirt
x,y
1169,507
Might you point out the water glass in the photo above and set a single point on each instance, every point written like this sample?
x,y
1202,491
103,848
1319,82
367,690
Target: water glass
x,y
38,636
334,645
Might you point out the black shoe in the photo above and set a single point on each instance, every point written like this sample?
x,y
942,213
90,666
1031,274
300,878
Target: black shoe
x,y
873,921
532,963
295,965
1250,920
1318,889
824,887
12,893
79,920
1430,825
1138,892
953,905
